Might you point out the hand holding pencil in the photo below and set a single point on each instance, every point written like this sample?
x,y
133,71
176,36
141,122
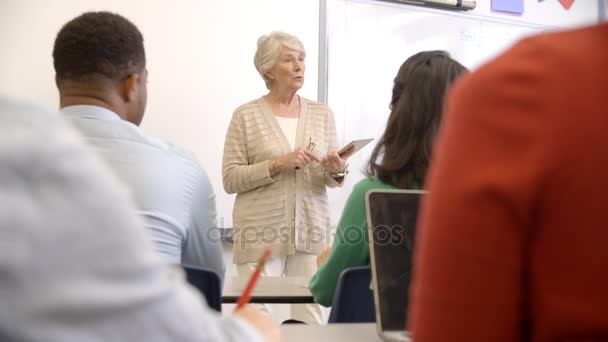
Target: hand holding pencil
x,y
262,321
244,298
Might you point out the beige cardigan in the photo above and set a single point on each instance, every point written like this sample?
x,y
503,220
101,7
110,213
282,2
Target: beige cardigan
x,y
290,211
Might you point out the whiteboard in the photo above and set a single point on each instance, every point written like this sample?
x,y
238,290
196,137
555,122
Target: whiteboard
x,y
367,41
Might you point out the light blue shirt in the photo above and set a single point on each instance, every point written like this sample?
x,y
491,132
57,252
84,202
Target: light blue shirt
x,y
75,263
172,191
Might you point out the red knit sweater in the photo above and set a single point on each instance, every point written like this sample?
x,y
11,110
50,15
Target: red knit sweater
x,y
513,239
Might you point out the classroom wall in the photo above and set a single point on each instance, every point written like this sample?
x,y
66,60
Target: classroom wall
x,y
200,59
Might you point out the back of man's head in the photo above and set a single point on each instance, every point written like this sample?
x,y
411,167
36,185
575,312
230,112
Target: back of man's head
x,y
99,60
98,45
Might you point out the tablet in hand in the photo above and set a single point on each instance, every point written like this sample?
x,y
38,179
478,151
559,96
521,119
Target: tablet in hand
x,y
357,144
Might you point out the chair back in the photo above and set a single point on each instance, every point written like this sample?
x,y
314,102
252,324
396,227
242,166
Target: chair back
x,y
353,300
207,282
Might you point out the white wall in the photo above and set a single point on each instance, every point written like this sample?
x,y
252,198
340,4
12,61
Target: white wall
x,y
200,59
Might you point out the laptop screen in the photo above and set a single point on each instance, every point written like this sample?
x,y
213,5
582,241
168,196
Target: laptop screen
x,y
392,219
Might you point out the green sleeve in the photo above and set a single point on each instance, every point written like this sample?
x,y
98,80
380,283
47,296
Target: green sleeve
x,y
350,247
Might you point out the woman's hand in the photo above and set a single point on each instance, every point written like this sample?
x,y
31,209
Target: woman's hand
x,y
292,160
321,258
333,163
262,322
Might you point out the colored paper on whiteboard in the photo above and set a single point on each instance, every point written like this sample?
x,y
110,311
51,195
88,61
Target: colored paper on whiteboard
x,y
511,6
566,3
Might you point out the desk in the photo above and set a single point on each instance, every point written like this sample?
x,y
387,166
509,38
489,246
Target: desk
x,y
351,332
270,290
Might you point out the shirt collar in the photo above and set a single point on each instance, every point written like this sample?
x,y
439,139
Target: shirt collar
x,y
90,112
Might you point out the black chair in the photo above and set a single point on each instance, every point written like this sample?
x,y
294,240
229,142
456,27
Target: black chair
x,y
353,300
207,282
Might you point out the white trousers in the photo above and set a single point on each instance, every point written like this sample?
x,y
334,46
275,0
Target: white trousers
x,y
300,264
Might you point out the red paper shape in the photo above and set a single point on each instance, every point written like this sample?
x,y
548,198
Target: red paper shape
x,y
566,3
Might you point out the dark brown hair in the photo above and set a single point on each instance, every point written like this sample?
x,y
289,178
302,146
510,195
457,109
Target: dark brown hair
x,y
402,155
98,44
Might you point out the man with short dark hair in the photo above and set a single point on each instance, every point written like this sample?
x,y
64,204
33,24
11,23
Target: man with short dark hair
x,y
101,74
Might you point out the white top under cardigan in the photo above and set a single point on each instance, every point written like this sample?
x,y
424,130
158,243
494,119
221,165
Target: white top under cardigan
x,y
289,127
290,211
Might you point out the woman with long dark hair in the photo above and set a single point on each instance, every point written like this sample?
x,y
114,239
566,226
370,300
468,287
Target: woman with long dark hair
x,y
399,160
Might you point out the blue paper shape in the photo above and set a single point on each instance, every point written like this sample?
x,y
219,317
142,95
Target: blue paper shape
x,y
511,6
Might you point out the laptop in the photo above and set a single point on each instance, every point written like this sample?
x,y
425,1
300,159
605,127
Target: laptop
x,y
391,218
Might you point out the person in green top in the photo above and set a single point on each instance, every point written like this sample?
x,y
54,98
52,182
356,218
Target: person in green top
x,y
399,160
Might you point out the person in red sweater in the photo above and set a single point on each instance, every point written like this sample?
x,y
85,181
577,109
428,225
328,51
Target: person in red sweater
x,y
512,242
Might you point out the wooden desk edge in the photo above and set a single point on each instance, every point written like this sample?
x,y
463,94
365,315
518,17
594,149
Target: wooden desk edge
x,y
272,299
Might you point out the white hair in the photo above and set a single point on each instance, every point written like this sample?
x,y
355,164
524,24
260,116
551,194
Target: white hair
x,y
269,49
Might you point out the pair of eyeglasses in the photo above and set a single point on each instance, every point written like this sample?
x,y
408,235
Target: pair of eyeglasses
x,y
311,145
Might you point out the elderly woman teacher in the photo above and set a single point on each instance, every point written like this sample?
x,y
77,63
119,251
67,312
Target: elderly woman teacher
x,y
279,158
